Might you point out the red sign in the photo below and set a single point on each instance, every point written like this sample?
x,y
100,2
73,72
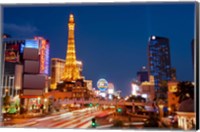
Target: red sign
x,y
12,53
42,56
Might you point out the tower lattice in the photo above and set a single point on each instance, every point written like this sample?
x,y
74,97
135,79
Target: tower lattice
x,y
71,71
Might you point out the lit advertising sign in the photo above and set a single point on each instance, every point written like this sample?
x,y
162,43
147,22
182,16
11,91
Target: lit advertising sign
x,y
102,84
135,88
12,53
47,59
44,56
31,43
110,91
102,94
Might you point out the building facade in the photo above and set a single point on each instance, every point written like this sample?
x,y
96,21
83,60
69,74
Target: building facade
x,y
57,68
147,89
172,99
25,67
159,62
13,57
143,75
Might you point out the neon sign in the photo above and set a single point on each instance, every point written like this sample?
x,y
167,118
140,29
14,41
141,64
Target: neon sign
x,y
42,56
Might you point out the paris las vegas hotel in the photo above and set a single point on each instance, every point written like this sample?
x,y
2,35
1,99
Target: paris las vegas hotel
x,y
67,80
26,71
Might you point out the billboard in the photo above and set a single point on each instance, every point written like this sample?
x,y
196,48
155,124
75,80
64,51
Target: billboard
x,y
32,43
12,53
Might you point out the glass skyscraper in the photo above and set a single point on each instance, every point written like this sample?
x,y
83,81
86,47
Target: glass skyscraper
x,y
159,64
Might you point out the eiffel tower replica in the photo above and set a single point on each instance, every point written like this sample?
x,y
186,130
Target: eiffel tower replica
x,y
72,80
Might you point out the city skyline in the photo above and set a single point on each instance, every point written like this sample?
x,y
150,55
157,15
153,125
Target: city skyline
x,y
103,40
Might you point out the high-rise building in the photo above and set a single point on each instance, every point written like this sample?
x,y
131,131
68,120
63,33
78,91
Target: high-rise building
x,y
159,63
25,71
143,75
36,65
57,68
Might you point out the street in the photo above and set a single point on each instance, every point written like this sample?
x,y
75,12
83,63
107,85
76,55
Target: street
x,y
76,119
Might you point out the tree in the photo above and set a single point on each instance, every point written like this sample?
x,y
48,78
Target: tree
x,y
185,90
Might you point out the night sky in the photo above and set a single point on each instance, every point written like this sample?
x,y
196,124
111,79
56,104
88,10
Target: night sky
x,y
111,40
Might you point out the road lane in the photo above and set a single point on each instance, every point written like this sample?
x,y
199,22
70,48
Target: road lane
x,y
76,119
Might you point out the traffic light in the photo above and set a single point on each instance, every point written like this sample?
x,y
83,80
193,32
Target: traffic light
x,y
119,110
90,105
93,123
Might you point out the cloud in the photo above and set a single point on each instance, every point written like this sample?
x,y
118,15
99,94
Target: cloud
x,y
20,30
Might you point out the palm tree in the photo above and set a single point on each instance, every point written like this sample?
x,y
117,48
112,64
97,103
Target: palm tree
x,y
185,90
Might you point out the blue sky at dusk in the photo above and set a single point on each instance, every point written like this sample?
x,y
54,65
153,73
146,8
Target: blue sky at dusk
x,y
111,40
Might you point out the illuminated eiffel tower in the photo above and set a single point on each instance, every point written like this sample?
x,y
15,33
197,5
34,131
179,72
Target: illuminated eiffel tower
x,y
71,70
72,84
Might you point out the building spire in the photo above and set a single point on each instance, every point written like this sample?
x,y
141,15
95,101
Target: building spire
x,y
71,71
71,18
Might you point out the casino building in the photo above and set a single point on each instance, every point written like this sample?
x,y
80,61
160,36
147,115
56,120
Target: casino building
x,y
25,68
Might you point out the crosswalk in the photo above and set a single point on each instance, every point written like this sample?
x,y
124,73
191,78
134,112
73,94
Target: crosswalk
x,y
67,120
